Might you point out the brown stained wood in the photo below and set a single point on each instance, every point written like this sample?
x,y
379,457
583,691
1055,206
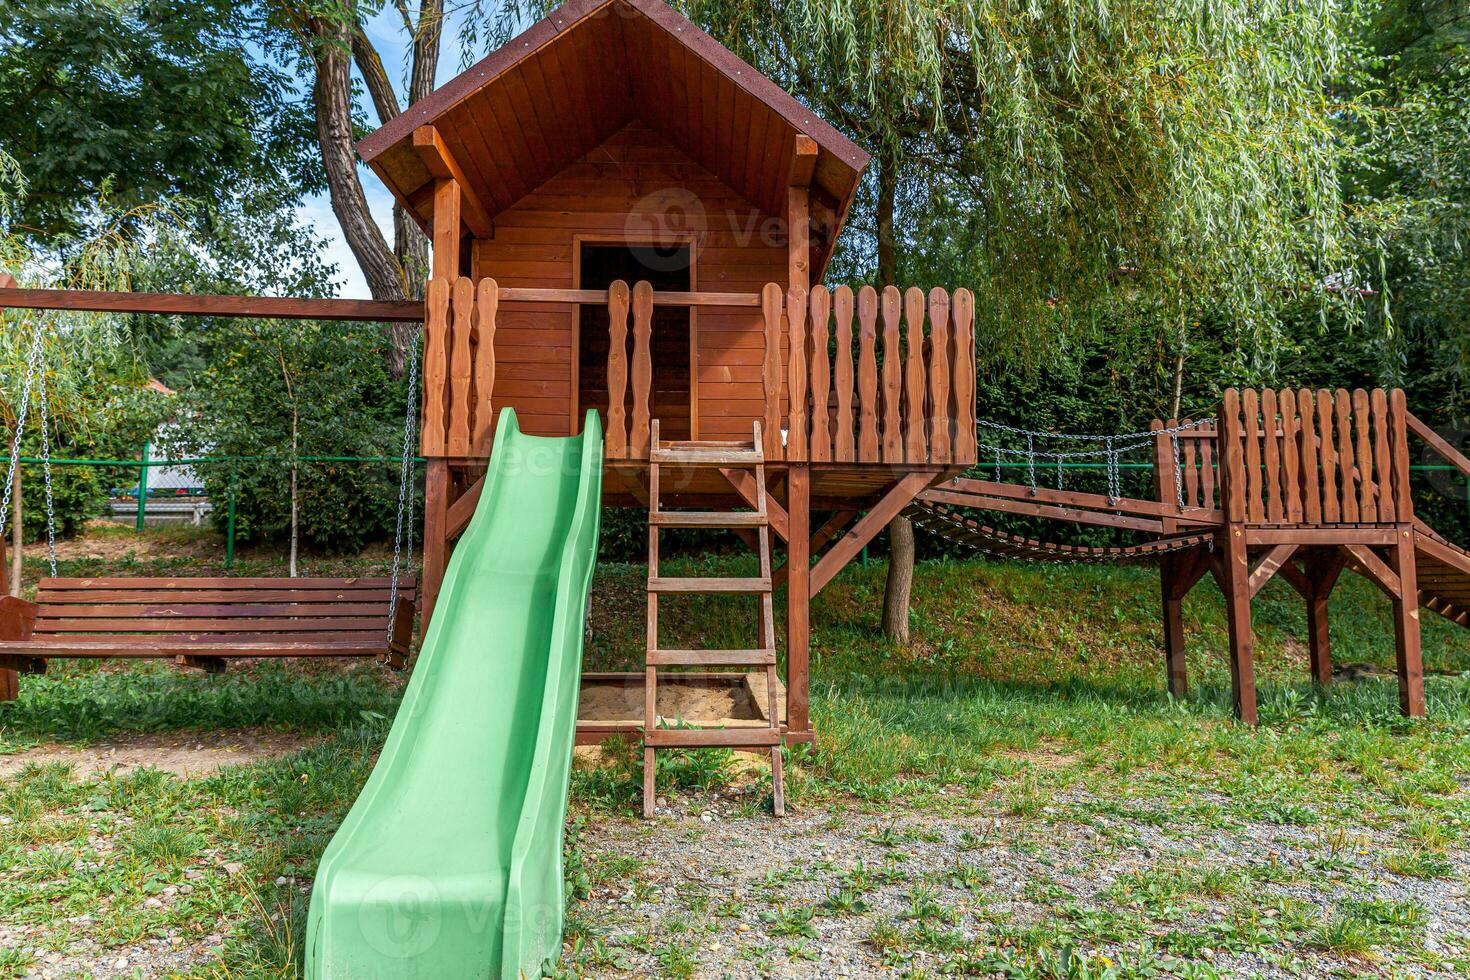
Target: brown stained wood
x,y
642,372
1050,511
1347,469
1366,562
1232,473
366,644
800,587
1436,442
441,163
1306,404
939,384
1078,498
1363,456
1328,460
436,533
462,306
1382,460
1209,476
446,229
772,305
436,367
894,500
617,370
893,444
1271,451
1235,583
324,621
914,442
153,612
708,586
673,738
1291,485
487,303
184,304
796,374
1172,588
820,446
710,300
845,449
1399,444
868,440
1268,565
966,449
341,586
1167,478
1407,640
164,596
1255,500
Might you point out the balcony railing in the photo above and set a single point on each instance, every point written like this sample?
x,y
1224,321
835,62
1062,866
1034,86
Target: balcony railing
x,y
846,376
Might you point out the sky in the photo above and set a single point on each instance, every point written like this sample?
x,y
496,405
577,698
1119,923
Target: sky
x,y
387,33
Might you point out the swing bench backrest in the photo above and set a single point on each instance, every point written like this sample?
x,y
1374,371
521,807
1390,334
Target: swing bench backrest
x,y
203,621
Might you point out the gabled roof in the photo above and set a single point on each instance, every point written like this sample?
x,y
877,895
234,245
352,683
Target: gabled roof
x,y
570,81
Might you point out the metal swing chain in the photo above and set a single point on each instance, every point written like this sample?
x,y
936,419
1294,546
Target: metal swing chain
x,y
1178,470
33,361
46,469
405,476
1031,461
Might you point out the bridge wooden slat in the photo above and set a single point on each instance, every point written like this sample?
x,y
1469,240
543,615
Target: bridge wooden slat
x,y
1346,467
1363,457
939,389
1271,452
914,393
1329,459
965,449
892,377
1306,405
1291,480
868,441
842,308
1382,459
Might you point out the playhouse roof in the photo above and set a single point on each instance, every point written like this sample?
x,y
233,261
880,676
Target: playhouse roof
x,y
570,81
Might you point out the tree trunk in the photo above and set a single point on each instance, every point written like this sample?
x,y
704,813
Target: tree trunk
x,y
332,100
900,529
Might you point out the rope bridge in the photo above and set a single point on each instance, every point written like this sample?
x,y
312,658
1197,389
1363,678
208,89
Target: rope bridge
x,y
1179,525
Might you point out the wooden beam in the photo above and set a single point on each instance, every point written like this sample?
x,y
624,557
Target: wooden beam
x,y
1268,565
463,509
440,162
1438,443
448,198
186,304
834,526
895,500
1091,501
744,483
798,596
1407,641
1362,560
803,161
1070,514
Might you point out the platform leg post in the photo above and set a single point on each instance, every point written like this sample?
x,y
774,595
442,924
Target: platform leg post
x,y
436,534
1319,637
798,597
1170,586
1236,585
1406,626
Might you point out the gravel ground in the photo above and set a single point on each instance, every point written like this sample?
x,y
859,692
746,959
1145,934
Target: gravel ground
x,y
1037,871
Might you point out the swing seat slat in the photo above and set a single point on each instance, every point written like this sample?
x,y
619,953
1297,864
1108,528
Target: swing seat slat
x,y
202,621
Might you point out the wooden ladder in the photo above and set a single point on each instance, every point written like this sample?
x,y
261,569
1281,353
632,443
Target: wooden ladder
x,y
725,456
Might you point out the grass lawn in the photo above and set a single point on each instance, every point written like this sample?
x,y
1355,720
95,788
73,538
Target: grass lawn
x,y
1012,795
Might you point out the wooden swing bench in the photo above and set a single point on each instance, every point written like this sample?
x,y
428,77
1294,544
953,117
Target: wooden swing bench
x,y
205,622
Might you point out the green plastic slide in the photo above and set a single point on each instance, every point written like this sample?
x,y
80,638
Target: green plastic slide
x,y
449,865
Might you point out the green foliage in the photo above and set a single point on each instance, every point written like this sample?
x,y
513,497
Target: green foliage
x,y
273,393
143,100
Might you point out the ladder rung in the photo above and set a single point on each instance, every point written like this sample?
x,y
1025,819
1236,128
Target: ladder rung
x,y
711,658
712,585
707,457
707,518
691,738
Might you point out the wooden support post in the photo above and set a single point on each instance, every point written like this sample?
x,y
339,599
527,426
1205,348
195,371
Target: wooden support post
x,y
1323,570
1235,583
447,201
436,534
798,597
1170,575
1406,626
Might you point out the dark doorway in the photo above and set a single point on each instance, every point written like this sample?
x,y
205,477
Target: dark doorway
x,y
666,269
